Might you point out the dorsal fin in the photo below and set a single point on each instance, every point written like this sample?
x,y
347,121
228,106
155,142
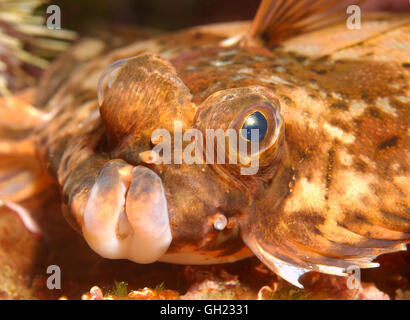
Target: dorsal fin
x,y
278,20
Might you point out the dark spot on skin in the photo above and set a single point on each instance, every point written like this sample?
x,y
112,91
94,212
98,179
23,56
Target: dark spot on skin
x,y
365,200
276,46
310,218
323,58
339,123
268,183
306,154
389,143
301,58
354,218
198,35
406,64
369,54
374,112
102,144
356,124
43,140
318,71
364,95
287,100
297,57
374,187
360,165
339,105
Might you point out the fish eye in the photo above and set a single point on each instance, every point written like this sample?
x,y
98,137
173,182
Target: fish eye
x,y
255,121
264,118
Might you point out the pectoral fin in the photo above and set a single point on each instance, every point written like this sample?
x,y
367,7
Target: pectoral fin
x,y
308,232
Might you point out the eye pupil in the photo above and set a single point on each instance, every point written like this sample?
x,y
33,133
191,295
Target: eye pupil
x,y
257,121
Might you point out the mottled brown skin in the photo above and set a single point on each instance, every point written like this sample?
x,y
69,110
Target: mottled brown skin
x,y
332,190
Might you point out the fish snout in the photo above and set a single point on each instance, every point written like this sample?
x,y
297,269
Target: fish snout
x,y
126,216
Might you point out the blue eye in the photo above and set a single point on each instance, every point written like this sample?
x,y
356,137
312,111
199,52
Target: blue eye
x,y
257,121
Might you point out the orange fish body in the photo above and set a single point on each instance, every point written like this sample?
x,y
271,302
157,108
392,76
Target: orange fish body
x,y
331,189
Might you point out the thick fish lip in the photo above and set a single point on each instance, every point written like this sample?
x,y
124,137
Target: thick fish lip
x,y
126,216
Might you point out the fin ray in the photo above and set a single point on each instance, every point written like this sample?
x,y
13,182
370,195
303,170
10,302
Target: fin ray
x,y
279,20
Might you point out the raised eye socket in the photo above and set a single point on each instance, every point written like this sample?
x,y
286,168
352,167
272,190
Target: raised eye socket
x,y
108,77
255,121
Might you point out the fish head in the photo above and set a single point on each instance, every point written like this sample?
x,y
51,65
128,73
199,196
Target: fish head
x,y
203,150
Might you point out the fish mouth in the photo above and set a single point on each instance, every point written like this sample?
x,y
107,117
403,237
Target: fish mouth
x,y
126,216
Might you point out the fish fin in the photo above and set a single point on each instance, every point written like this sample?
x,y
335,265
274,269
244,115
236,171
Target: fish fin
x,y
21,176
290,260
279,20
18,113
308,231
372,41
24,216
284,269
